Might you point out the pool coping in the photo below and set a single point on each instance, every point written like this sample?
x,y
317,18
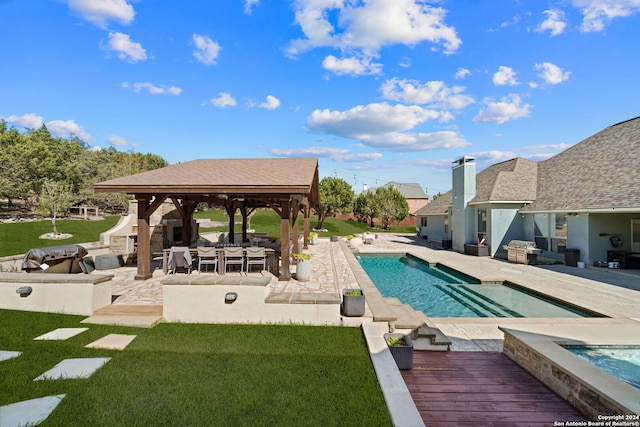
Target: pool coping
x,y
592,390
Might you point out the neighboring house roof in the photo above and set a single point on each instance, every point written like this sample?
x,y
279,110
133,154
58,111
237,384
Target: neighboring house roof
x,y
600,173
409,190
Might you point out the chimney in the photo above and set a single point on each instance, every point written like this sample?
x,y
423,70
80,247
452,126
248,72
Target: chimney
x,y
464,190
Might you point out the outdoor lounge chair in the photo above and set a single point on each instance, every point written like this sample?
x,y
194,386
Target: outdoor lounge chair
x,y
256,256
233,256
207,256
180,257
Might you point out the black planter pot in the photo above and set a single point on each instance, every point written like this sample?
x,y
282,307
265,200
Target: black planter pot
x,y
402,354
352,305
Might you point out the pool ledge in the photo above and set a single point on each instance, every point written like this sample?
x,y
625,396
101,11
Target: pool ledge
x,y
591,390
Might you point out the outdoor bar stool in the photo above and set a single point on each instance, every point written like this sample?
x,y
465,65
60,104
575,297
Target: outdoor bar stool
x,y
233,256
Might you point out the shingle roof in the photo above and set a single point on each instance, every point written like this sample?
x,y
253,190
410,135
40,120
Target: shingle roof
x,y
601,172
223,176
437,206
409,190
513,180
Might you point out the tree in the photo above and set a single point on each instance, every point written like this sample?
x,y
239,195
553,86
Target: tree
x,y
366,207
336,195
393,205
55,197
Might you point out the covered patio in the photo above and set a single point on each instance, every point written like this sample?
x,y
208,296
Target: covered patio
x,y
288,186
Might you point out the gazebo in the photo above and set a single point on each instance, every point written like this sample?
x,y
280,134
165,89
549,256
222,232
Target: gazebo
x,y
288,186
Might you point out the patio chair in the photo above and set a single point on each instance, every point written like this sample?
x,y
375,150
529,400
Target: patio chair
x,y
233,256
180,257
207,256
256,256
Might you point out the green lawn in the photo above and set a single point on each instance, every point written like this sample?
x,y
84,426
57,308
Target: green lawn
x,y
268,221
17,238
179,374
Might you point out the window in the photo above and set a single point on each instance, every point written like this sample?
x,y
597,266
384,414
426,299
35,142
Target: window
x,y
482,225
446,224
423,221
635,235
550,231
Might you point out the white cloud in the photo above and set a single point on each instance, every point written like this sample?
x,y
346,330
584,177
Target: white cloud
x,y
462,73
249,4
505,76
67,128
366,27
552,74
400,141
99,12
223,100
555,22
207,51
434,93
547,147
508,108
271,103
153,89
335,154
492,157
598,13
60,128
354,66
27,121
127,50
384,126
118,141
369,119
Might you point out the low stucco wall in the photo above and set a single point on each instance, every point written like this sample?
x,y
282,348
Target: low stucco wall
x,y
56,293
202,300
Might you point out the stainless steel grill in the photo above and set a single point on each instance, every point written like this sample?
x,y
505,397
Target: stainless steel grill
x,y
522,251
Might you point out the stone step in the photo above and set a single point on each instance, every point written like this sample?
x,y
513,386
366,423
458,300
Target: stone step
x,y
129,310
406,317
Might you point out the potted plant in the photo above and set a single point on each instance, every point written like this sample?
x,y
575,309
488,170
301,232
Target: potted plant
x,y
303,267
353,302
313,238
401,348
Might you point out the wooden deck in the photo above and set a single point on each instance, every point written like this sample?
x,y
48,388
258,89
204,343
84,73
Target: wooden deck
x,y
481,389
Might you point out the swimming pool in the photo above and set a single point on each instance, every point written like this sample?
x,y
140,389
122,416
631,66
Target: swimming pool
x,y
621,362
442,292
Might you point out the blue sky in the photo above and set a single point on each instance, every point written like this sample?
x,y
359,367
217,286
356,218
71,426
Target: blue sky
x,y
377,90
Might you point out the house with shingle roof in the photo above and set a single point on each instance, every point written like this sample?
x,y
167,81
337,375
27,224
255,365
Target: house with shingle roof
x,y
413,192
586,198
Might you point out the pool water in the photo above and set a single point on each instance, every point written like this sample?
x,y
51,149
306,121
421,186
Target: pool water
x,y
442,292
622,362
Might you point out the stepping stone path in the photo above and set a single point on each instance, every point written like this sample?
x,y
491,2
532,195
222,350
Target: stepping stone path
x,y
61,334
74,368
112,342
34,411
29,412
6,355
